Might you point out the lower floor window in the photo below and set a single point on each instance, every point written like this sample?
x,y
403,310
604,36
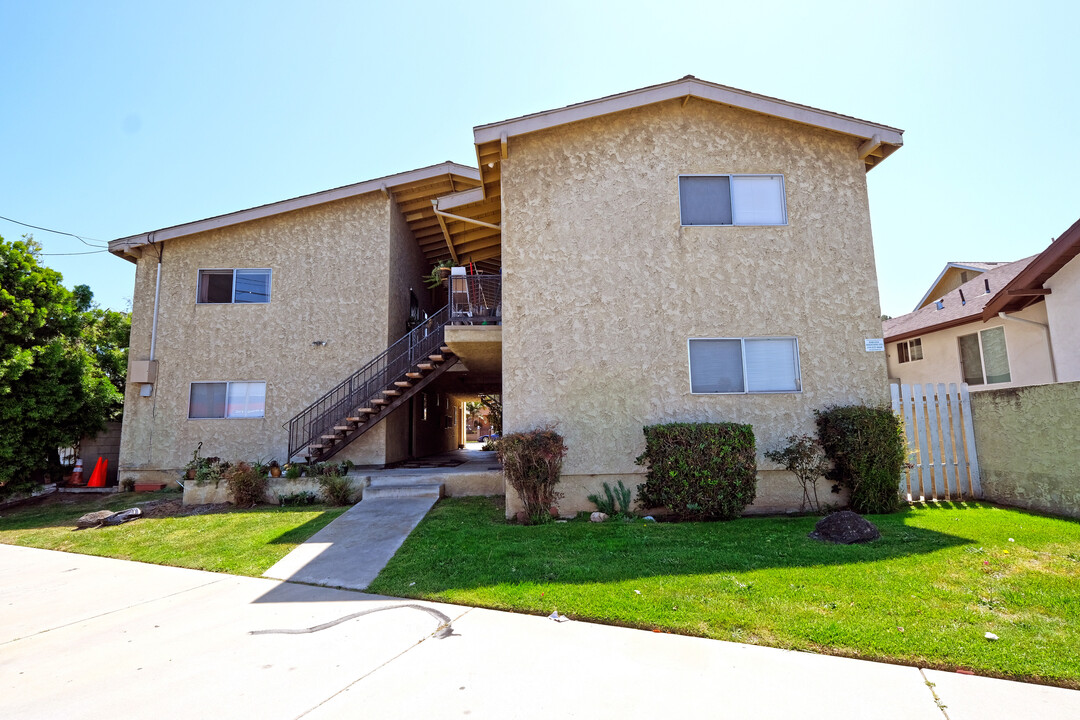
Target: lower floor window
x,y
909,350
227,400
744,365
984,359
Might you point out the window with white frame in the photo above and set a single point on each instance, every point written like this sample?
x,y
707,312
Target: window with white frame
x,y
909,350
732,200
744,365
234,286
984,359
227,400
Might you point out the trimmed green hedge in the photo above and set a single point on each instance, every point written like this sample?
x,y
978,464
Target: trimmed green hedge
x,y
867,449
699,470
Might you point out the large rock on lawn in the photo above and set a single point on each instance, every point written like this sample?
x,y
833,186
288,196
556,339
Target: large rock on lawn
x,y
845,527
94,519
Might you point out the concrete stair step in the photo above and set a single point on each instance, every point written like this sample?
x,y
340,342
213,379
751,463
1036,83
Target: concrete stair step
x,y
401,490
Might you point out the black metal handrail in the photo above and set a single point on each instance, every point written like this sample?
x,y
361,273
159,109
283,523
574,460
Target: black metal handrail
x,y
476,299
367,383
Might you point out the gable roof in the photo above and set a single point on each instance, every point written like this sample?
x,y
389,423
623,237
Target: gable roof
x,y
956,311
1027,287
388,183
979,267
888,139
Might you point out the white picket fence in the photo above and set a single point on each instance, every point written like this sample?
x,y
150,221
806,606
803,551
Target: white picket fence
x,y
943,464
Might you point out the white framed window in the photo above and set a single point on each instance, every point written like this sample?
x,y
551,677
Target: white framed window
x,y
909,350
227,400
744,365
245,285
732,200
984,358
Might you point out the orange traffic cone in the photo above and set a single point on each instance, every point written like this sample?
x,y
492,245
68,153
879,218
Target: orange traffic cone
x,y
76,474
97,478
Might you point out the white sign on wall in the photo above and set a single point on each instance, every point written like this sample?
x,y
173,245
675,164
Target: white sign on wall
x,y
875,345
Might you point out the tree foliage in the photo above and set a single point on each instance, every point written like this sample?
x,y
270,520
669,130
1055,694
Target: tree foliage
x,y
62,364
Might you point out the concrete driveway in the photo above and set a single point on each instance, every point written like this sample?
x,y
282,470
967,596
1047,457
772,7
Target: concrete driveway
x,y
87,637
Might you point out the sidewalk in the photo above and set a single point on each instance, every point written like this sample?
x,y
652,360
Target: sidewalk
x,y
88,637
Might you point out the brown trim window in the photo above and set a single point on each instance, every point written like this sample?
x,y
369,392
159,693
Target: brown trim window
x,y
909,350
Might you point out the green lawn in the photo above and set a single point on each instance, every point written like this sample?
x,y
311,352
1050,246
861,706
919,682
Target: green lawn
x,y
242,542
925,593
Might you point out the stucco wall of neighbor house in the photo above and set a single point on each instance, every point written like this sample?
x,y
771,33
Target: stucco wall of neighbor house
x,y
1063,310
329,282
603,287
1029,358
1028,440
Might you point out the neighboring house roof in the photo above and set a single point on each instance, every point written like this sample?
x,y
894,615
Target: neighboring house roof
x,y
956,311
418,182
1027,287
979,267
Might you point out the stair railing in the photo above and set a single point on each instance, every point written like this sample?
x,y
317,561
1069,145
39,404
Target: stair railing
x,y
367,383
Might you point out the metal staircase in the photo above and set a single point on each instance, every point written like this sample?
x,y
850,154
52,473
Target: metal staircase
x,y
371,393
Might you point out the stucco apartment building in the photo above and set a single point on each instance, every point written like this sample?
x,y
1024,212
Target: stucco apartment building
x,y
682,252
1002,325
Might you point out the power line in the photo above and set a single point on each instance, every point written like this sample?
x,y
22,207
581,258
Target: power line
x,y
60,232
89,252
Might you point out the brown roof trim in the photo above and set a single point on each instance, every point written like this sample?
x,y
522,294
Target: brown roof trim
x,y
121,246
1041,269
933,328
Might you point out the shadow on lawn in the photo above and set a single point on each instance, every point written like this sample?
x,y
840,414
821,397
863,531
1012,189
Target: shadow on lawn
x,y
467,548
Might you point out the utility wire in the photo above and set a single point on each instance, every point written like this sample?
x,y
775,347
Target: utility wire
x,y
84,241
89,252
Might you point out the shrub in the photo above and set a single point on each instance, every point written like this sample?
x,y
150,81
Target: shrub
x,y
304,497
804,457
867,449
245,484
699,470
615,502
128,484
532,462
337,489
292,471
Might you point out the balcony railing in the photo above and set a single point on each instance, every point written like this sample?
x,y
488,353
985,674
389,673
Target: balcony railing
x,y
476,299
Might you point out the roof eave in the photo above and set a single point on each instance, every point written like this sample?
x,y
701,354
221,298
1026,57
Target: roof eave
x,y
122,246
1038,271
690,87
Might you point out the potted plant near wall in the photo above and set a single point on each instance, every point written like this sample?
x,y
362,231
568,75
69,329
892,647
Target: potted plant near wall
x,y
274,468
439,273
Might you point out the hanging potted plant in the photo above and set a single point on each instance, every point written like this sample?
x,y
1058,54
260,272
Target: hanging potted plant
x,y
439,273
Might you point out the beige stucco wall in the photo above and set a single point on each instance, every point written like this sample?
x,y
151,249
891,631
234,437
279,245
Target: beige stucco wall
x,y
1029,358
602,287
330,282
1028,440
1063,311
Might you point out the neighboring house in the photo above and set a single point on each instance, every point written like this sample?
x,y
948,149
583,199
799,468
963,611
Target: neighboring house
x,y
1013,324
682,252
953,276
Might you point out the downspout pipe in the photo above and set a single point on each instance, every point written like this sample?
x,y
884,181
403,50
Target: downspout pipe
x,y
157,296
1049,344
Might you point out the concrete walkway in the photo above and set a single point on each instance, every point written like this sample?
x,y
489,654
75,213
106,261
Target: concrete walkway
x,y
355,547
88,637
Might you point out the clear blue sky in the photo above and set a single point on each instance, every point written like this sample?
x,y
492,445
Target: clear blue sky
x,y
123,117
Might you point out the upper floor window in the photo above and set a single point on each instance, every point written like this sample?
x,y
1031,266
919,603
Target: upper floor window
x,y
732,200
234,286
744,365
984,357
909,350
227,400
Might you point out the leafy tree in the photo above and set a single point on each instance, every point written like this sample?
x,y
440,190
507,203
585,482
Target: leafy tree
x,y
57,366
